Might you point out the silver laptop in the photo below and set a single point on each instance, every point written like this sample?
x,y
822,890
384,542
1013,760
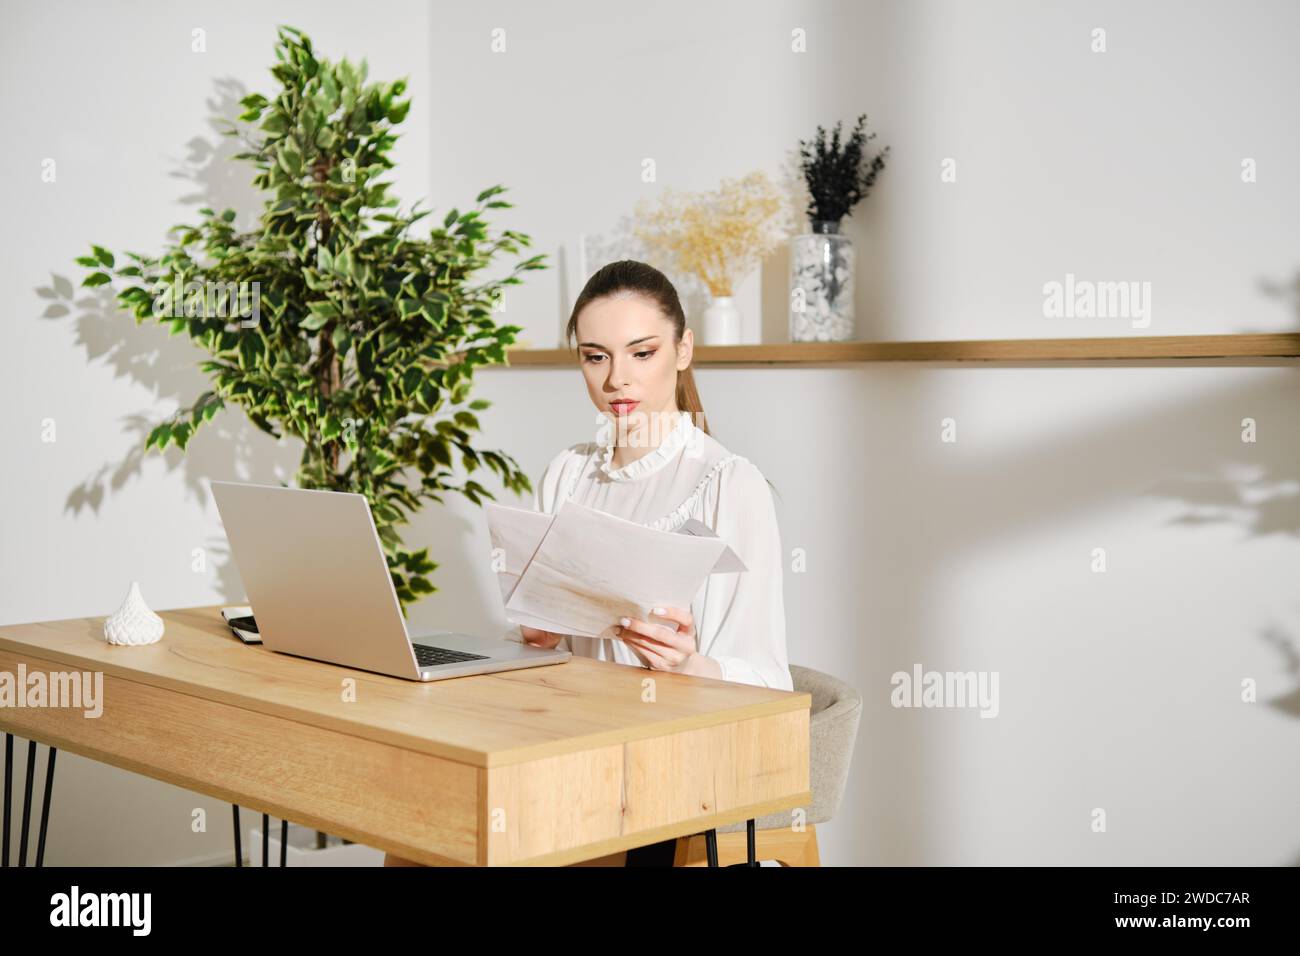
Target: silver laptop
x,y
319,586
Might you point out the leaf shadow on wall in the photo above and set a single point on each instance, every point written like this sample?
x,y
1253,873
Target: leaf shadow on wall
x,y
228,446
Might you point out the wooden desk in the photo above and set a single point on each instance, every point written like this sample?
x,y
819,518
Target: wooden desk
x,y
546,765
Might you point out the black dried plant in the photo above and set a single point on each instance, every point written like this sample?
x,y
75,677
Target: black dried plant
x,y
839,178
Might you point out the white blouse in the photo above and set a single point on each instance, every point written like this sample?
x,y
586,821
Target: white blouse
x,y
739,617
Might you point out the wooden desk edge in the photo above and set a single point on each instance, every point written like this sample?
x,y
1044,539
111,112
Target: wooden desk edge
x,y
790,701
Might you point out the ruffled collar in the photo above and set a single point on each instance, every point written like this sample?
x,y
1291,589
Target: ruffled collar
x,y
652,460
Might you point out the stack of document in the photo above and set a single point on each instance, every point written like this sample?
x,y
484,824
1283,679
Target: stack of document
x,y
579,571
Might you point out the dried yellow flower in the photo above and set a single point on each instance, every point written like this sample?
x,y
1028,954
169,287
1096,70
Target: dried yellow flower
x,y
719,236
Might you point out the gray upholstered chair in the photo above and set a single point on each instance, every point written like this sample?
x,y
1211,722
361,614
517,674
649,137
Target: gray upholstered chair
x,y
833,727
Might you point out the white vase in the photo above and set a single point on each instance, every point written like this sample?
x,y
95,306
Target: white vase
x,y
133,622
722,322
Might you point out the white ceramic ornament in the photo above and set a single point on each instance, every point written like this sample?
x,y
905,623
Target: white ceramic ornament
x,y
133,622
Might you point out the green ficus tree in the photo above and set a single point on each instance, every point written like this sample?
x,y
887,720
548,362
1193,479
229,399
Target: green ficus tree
x,y
334,321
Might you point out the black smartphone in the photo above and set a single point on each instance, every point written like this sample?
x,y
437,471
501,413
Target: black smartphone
x,y
244,623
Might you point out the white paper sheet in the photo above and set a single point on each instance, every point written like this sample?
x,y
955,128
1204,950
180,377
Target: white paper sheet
x,y
579,571
515,534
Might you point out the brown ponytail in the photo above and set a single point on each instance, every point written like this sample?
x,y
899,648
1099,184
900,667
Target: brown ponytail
x,y
631,276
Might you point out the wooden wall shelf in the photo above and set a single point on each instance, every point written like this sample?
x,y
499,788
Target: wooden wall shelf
x,y
1222,349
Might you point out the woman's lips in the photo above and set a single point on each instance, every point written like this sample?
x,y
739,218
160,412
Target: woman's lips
x,y
624,407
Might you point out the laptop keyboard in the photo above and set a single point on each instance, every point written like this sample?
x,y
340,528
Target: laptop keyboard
x,y
427,656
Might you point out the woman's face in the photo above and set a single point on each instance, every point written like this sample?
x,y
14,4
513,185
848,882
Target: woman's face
x,y
626,348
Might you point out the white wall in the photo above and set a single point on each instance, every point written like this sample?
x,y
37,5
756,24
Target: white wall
x,y
1118,690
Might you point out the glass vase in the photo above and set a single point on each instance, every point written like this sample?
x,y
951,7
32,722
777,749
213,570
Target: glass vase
x,y
821,285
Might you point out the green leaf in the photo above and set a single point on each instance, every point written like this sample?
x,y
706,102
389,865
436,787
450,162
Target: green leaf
x,y
434,312
90,262
196,413
289,158
94,279
250,347
135,295
315,321
274,123
160,435
420,563
345,264
103,255
342,339
366,359
332,428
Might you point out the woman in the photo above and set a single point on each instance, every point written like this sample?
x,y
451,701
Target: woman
x,y
654,465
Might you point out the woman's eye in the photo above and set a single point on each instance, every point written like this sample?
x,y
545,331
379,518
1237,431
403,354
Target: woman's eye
x,y
592,357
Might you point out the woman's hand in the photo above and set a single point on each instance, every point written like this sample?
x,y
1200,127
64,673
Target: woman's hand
x,y
661,647
534,637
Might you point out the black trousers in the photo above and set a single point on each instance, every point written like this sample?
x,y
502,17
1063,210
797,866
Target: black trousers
x,y
654,854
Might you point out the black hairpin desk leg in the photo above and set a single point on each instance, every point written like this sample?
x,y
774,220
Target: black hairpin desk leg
x,y
711,846
266,837
45,806
27,802
239,852
9,780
